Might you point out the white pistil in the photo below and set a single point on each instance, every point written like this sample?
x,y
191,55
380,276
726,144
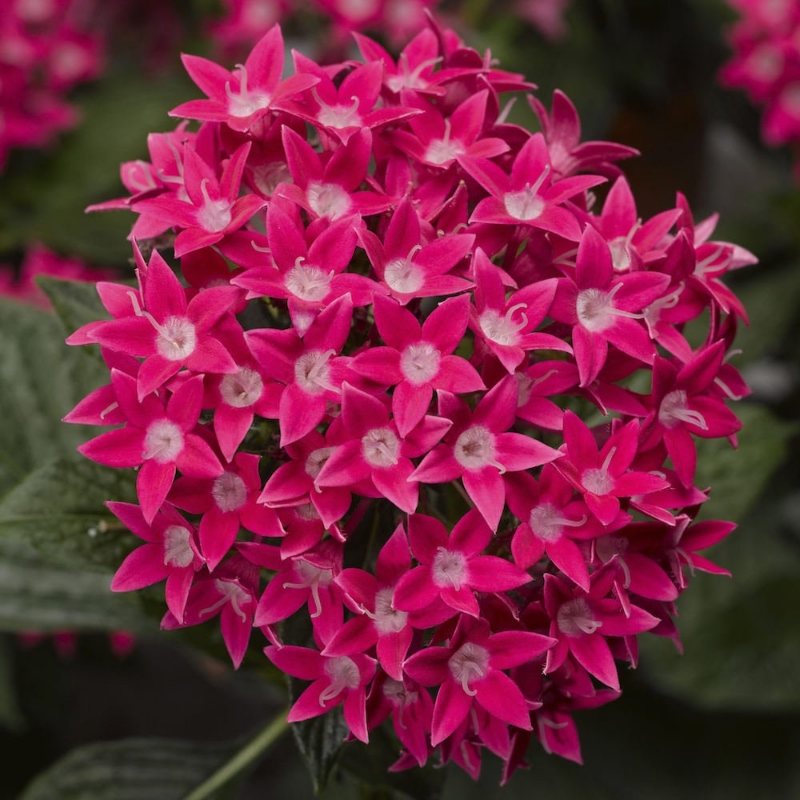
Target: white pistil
x,y
674,410
503,329
575,617
468,664
526,205
474,449
343,673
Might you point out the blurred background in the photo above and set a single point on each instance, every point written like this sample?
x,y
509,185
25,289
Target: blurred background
x,y
86,680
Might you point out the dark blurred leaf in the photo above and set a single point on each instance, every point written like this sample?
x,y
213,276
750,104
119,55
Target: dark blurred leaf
x,y
737,477
320,740
59,509
131,769
746,656
35,596
75,302
41,379
46,203
368,765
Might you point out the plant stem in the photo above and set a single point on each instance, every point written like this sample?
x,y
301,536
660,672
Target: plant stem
x,y
246,756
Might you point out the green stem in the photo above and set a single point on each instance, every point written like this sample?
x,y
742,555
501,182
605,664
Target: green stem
x,y
246,756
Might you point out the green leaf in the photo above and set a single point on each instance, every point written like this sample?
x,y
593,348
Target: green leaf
x,y
36,596
76,302
131,769
320,741
737,477
59,509
742,647
41,379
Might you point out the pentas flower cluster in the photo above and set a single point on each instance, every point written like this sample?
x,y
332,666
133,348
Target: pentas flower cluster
x,y
766,64
246,21
46,49
38,260
415,385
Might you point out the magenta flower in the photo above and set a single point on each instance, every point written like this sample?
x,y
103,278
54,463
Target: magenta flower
x,y
226,503
242,98
603,309
230,593
470,668
562,132
335,680
379,623
685,406
306,579
452,567
418,359
158,438
506,326
480,450
374,450
408,265
169,553
528,196
603,476
169,332
309,367
581,621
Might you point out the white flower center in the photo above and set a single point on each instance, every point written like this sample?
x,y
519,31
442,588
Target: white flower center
x,y
339,116
526,205
163,441
386,618
309,283
403,276
443,151
242,389
328,200
503,329
474,449
343,674
469,663
177,546
229,492
548,524
306,512
309,576
397,694
214,215
244,103
312,372
575,617
419,363
597,481
381,447
177,338
231,592
674,410
316,461
267,177
449,568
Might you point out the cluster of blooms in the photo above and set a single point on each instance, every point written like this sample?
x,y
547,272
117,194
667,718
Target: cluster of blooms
x,y
246,21
39,260
766,64
404,329
45,51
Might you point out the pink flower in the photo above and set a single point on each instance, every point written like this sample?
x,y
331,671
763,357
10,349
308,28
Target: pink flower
x,y
469,669
480,450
